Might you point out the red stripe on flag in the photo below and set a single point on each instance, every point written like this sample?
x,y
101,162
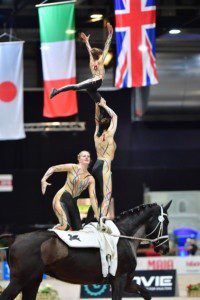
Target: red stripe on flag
x,y
151,58
62,105
123,69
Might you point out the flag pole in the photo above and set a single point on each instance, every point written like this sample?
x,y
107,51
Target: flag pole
x,y
55,3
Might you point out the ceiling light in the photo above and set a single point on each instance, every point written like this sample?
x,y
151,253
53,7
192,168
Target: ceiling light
x,y
175,31
96,16
95,20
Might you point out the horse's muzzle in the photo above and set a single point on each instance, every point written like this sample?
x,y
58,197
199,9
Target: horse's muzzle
x,y
164,249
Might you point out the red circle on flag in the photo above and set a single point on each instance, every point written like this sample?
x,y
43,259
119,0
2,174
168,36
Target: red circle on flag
x,y
8,91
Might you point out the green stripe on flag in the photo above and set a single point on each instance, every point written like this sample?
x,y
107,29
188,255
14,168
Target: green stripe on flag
x,y
57,22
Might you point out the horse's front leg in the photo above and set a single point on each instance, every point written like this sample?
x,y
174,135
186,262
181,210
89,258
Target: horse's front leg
x,y
118,285
12,290
29,291
132,287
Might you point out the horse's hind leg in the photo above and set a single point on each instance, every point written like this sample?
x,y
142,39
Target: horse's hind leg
x,y
30,290
12,290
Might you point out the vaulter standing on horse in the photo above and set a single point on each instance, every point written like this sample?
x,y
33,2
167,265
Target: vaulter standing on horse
x,y
105,148
65,200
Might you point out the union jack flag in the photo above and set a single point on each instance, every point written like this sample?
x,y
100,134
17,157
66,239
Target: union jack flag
x,y
135,39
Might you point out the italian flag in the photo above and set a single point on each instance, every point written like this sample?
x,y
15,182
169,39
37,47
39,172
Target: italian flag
x,y
57,34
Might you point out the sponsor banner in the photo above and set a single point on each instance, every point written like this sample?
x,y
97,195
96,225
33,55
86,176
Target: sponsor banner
x,y
183,265
95,291
159,283
6,183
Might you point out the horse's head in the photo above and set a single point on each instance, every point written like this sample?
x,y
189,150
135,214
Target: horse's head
x,y
157,228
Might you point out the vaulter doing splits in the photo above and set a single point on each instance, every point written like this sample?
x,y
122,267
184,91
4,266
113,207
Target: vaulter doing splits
x,y
97,58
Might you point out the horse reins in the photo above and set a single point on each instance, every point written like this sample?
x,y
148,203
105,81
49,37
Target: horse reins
x,y
149,240
161,219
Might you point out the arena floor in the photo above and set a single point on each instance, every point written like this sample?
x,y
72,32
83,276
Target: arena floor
x,y
73,291
174,298
68,291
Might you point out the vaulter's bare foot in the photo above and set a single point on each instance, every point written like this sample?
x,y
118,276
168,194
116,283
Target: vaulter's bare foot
x,y
62,227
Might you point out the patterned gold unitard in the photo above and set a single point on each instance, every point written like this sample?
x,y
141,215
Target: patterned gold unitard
x,y
65,200
105,148
97,69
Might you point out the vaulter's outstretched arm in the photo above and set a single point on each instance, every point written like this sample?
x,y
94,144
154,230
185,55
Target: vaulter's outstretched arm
x,y
114,119
87,43
108,41
97,115
93,198
50,171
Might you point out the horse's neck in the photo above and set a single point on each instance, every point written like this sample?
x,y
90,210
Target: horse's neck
x,y
132,223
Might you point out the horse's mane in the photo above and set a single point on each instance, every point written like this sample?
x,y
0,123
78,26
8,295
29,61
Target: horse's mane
x,y
134,211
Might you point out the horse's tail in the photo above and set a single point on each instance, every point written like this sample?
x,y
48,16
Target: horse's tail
x,y
6,240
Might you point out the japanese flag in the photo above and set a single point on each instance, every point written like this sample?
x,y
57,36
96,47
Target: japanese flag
x,y
11,91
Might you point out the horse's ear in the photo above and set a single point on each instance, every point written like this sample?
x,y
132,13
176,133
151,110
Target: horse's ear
x,y
166,207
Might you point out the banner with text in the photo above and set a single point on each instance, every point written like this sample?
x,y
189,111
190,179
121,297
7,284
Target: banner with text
x,y
159,283
183,265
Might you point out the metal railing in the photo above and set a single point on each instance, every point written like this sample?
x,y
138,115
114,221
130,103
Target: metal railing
x,y
54,126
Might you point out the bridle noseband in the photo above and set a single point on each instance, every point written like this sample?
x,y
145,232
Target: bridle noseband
x,y
160,235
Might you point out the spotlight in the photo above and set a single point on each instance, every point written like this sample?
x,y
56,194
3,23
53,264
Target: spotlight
x,y
174,31
96,17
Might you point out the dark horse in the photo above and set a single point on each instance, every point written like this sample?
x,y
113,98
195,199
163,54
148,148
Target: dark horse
x,y
32,254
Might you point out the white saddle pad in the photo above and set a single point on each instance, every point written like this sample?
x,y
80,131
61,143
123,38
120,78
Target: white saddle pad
x,y
90,237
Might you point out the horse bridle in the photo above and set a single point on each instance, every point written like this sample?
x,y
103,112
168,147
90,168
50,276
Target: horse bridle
x,y
160,235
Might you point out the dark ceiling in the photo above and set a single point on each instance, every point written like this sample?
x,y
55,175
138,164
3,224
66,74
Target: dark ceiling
x,y
22,14
21,17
